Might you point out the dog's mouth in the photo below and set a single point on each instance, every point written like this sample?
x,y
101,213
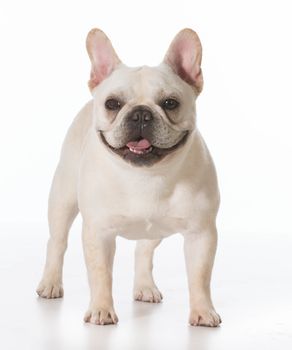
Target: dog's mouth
x,y
140,147
141,152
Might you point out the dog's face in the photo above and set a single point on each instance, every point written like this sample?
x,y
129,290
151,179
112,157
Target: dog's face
x,y
144,114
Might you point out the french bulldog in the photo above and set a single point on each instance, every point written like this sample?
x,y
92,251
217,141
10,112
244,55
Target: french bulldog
x,y
134,164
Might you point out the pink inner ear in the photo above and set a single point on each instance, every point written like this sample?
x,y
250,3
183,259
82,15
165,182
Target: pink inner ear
x,y
184,57
100,71
103,57
102,64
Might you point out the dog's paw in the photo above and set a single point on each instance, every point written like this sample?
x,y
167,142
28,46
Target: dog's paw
x,y
101,316
207,317
50,290
148,294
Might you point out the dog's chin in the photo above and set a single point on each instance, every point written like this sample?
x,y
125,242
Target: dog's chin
x,y
146,157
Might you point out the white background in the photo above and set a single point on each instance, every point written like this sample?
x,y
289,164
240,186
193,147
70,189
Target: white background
x,y
244,113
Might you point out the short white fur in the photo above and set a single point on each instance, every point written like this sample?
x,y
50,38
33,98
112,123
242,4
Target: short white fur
x,y
178,194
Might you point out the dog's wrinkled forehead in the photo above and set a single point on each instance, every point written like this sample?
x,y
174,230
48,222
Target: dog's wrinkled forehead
x,y
143,85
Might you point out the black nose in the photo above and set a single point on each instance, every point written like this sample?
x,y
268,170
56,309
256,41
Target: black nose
x,y
141,115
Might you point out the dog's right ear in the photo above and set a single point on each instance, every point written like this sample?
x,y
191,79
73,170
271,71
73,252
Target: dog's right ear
x,y
102,55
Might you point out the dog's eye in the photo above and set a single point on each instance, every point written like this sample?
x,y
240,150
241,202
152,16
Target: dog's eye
x,y
112,104
170,104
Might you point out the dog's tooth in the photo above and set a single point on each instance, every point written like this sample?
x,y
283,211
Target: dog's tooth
x,y
136,151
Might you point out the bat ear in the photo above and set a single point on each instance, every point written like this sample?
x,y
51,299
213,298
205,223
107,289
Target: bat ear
x,y
102,55
184,56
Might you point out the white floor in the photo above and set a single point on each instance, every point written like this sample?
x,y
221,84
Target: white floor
x,y
252,291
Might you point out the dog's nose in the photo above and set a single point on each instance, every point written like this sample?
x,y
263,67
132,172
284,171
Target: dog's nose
x,y
142,116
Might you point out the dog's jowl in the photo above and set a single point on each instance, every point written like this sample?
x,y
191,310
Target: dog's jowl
x,y
133,163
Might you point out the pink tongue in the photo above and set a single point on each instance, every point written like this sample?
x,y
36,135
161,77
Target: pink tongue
x,y
139,145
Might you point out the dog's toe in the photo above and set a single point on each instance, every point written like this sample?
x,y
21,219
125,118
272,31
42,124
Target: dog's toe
x,y
148,294
50,290
101,316
204,317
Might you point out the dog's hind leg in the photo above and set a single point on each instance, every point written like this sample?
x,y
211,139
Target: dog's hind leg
x,y
144,285
61,214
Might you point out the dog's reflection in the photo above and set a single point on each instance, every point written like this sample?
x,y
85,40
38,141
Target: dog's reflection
x,y
100,337
49,319
202,338
141,309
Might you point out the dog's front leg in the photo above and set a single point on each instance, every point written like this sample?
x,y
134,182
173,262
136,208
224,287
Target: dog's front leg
x,y
200,251
144,287
99,253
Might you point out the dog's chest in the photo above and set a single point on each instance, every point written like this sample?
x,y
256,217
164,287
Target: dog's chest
x,y
151,212
136,205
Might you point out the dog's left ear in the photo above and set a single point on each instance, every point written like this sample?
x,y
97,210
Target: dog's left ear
x,y
184,56
102,55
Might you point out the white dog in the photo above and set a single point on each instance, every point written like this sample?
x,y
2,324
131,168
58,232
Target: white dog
x,y
134,164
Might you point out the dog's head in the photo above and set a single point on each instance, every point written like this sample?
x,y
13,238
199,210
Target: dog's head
x,y
144,114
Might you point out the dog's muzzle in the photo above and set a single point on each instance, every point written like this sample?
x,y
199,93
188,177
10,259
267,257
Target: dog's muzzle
x,y
140,149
